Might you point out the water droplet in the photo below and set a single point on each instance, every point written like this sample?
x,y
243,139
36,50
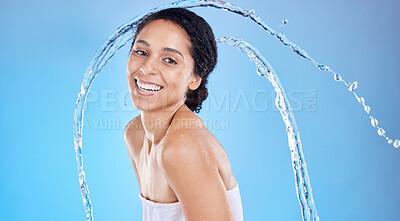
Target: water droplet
x,y
323,67
284,22
390,141
374,122
381,131
361,100
260,72
396,143
367,109
337,77
353,86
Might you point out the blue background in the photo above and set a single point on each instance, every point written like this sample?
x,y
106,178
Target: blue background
x,y
46,47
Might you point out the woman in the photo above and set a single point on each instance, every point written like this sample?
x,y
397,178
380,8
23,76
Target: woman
x,y
182,170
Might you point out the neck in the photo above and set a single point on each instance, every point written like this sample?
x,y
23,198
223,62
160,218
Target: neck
x,y
156,123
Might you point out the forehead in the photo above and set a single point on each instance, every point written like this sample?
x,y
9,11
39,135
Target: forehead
x,y
165,32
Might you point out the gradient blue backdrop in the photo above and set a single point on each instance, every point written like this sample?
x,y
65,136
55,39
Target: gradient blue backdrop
x,y
46,47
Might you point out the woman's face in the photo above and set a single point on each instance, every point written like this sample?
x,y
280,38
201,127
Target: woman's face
x,y
160,67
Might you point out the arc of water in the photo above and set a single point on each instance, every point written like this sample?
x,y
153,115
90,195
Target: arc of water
x,y
122,36
298,50
108,50
264,69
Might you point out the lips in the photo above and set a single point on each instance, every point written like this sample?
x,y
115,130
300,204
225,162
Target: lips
x,y
147,88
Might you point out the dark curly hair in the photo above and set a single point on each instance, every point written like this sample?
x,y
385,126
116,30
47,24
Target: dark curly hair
x,y
203,47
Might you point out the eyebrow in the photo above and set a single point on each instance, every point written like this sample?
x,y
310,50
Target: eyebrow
x,y
143,42
164,49
173,51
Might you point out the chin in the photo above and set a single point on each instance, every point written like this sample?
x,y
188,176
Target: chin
x,y
155,102
144,104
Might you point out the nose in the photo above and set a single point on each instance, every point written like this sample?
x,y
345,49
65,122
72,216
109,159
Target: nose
x,y
149,66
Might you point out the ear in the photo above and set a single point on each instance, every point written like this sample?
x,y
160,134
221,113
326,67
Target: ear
x,y
195,82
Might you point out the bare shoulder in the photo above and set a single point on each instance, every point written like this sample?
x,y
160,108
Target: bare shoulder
x,y
187,137
189,164
132,127
132,132
187,133
187,143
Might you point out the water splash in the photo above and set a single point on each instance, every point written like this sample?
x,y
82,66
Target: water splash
x,y
396,143
264,68
284,22
282,38
374,122
125,33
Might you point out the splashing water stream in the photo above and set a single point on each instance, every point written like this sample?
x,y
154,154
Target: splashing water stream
x,y
125,33
264,69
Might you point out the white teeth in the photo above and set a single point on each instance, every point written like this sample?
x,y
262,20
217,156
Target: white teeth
x,y
149,87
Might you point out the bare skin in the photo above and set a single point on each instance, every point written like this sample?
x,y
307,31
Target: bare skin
x,y
174,155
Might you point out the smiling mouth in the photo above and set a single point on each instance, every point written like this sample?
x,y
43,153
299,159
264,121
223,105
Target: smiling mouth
x,y
147,87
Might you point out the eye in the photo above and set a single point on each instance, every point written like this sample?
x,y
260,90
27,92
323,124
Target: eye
x,y
140,52
170,61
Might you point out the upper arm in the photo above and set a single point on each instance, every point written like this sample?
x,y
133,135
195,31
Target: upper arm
x,y
129,132
195,180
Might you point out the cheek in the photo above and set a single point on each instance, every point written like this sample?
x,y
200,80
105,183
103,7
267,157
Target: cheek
x,y
176,85
129,68
181,85
132,65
